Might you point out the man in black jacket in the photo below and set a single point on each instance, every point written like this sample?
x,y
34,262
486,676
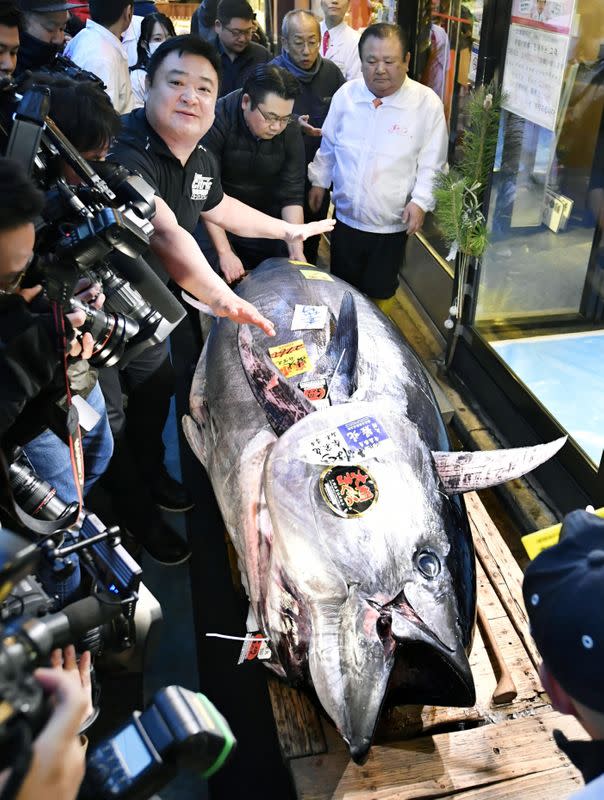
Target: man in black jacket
x,y
42,32
261,155
319,80
238,53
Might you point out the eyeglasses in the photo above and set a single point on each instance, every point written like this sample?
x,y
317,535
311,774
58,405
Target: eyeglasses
x,y
273,118
237,33
313,44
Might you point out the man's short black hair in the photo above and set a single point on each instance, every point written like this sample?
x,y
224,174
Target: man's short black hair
x,y
9,15
234,9
187,44
82,111
107,12
20,199
266,79
384,30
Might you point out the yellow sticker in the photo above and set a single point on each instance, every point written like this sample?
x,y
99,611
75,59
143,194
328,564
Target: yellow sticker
x,y
290,358
316,275
535,543
300,263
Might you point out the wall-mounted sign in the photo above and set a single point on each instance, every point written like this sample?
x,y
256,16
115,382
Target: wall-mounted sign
x,y
550,15
534,71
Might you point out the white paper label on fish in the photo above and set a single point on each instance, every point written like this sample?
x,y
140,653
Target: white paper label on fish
x,y
356,439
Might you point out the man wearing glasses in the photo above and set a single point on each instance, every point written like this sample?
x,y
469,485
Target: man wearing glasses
x,y
319,80
238,54
261,158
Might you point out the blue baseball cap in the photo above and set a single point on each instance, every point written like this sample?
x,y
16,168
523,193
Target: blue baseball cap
x,y
564,597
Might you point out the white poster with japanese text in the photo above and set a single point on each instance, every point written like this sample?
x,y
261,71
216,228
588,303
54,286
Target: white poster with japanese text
x,y
534,71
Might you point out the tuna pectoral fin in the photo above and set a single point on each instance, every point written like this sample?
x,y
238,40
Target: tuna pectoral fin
x,y
468,472
282,403
340,360
195,437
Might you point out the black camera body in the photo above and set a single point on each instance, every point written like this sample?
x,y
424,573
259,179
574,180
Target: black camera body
x,y
98,229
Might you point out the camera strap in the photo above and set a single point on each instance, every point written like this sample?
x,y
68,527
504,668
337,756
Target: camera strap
x,y
74,432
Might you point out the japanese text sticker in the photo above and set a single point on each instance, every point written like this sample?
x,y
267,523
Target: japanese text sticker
x,y
316,275
290,358
309,318
348,491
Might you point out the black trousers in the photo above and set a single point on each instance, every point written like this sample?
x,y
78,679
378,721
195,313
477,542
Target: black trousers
x,y
369,261
251,251
311,245
149,383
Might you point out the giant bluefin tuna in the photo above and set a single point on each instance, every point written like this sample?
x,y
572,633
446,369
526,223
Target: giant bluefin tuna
x,y
352,540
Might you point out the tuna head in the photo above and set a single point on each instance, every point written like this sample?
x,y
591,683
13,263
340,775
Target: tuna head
x,y
381,563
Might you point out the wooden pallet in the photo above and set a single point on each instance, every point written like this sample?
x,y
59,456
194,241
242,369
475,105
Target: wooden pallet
x,y
487,751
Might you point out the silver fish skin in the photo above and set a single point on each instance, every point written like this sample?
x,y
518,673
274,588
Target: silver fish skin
x,y
359,608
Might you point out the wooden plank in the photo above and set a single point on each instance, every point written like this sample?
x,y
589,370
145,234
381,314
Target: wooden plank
x,y
433,766
543,786
504,573
297,720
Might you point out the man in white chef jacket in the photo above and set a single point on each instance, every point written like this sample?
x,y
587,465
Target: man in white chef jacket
x,y
383,141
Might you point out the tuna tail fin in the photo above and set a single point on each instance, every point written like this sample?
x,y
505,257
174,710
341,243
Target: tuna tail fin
x,y
282,403
468,472
340,359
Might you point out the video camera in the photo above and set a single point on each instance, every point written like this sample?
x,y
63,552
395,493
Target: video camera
x,y
179,728
96,230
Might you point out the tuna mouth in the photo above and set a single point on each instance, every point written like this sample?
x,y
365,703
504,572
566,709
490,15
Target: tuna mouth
x,y
427,671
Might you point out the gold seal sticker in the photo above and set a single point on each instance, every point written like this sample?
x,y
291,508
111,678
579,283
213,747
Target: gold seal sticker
x,y
349,491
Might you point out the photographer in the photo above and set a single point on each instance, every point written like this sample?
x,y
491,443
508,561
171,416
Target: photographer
x,y
33,366
9,38
54,764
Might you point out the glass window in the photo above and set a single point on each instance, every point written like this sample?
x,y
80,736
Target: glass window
x,y
540,301
450,69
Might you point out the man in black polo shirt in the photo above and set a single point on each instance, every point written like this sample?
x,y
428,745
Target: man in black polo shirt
x,y
161,142
238,54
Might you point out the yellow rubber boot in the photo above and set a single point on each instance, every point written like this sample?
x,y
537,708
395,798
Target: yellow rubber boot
x,y
386,305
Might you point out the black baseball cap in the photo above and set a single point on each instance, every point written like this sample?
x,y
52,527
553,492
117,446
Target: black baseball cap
x,y
47,6
564,597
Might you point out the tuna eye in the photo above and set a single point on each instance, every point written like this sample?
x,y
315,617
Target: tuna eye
x,y
428,563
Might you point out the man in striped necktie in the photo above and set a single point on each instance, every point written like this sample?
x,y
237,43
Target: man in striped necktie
x,y
340,42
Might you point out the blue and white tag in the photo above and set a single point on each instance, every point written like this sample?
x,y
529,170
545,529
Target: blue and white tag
x,y
358,439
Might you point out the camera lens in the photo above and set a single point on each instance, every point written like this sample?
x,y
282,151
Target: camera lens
x,y
34,495
110,331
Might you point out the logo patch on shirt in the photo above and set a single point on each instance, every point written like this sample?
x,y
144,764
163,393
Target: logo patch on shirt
x,y
200,188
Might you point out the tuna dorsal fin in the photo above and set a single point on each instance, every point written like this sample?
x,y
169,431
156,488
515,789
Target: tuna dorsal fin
x,y
342,352
468,472
282,403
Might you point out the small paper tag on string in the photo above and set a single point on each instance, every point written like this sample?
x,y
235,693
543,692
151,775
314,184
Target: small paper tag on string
x,y
290,358
254,646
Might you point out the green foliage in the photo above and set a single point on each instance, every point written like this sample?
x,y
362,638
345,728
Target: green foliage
x,y
459,193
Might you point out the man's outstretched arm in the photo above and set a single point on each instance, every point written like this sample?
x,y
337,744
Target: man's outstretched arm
x,y
187,266
236,217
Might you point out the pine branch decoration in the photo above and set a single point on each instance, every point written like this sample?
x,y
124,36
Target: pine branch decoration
x,y
459,193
